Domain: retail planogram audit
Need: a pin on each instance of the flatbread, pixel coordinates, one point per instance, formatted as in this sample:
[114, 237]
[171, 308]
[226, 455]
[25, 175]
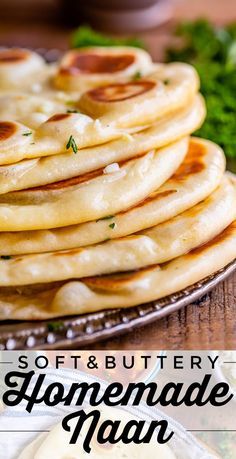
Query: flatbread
[197, 177]
[18, 141]
[118, 290]
[107, 112]
[26, 92]
[83, 69]
[139, 103]
[155, 245]
[56, 444]
[31, 110]
[44, 170]
[19, 67]
[90, 196]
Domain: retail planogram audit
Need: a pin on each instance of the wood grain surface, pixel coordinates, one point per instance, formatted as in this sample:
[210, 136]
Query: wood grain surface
[206, 324]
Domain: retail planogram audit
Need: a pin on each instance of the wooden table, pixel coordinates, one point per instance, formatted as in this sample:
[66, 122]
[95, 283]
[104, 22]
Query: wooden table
[210, 323]
[207, 324]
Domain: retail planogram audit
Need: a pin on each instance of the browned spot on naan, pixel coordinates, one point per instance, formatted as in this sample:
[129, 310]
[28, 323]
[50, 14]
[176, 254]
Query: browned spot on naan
[156, 196]
[121, 91]
[77, 180]
[7, 129]
[228, 232]
[153, 197]
[12, 56]
[58, 117]
[68, 182]
[193, 163]
[97, 63]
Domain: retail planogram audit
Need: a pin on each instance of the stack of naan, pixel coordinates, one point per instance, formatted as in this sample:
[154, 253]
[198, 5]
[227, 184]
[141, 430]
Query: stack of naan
[105, 199]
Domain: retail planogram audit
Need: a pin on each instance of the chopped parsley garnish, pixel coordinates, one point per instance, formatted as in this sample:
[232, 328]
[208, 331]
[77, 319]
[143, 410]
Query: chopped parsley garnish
[86, 36]
[55, 326]
[212, 51]
[72, 144]
[112, 225]
[72, 111]
[27, 133]
[166, 82]
[5, 257]
[137, 76]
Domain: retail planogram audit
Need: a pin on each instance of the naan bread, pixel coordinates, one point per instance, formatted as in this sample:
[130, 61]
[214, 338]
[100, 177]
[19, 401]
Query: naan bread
[74, 179]
[52, 137]
[43, 170]
[56, 444]
[118, 290]
[26, 92]
[197, 177]
[90, 196]
[107, 112]
[83, 69]
[19, 68]
[139, 103]
[155, 245]
[30, 110]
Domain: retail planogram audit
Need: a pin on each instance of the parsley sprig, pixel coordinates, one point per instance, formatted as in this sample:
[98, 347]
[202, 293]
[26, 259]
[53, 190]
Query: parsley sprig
[86, 36]
[55, 326]
[26, 134]
[137, 76]
[212, 51]
[72, 144]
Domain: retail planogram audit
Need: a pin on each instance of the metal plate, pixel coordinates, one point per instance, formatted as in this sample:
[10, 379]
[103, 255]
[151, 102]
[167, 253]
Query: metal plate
[87, 329]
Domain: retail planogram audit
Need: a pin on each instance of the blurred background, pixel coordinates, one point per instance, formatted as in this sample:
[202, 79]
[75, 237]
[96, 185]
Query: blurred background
[48, 23]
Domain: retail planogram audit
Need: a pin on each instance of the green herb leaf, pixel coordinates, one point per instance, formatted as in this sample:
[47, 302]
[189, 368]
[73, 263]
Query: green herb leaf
[112, 225]
[72, 111]
[55, 326]
[212, 51]
[137, 76]
[27, 133]
[72, 144]
[5, 257]
[86, 36]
